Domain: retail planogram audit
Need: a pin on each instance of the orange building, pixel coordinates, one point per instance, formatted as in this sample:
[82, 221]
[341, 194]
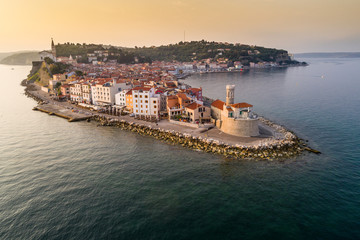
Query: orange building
[129, 101]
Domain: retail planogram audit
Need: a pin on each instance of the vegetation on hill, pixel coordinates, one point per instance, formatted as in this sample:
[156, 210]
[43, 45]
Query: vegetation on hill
[182, 51]
[23, 58]
[41, 76]
[199, 50]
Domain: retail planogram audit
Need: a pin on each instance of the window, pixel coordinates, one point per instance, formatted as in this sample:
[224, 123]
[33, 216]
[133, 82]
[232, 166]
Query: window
[146, 106]
[155, 106]
[141, 111]
[135, 96]
[154, 101]
[145, 96]
[136, 110]
[135, 100]
[146, 101]
[154, 112]
[141, 101]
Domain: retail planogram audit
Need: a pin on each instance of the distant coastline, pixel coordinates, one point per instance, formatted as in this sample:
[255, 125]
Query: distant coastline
[19, 58]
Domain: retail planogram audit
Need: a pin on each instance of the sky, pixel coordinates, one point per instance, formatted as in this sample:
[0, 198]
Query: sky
[294, 25]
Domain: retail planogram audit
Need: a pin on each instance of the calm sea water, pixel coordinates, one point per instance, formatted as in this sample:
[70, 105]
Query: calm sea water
[61, 180]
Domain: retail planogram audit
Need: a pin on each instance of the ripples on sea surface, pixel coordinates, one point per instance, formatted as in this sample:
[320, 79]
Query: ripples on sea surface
[61, 180]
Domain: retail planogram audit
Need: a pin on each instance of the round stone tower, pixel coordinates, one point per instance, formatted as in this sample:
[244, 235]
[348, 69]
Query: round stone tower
[230, 89]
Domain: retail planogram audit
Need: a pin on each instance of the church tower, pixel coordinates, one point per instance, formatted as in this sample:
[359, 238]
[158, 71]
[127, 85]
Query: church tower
[230, 89]
[53, 49]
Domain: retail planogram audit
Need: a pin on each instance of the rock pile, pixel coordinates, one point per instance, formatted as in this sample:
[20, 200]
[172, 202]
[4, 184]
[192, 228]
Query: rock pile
[283, 148]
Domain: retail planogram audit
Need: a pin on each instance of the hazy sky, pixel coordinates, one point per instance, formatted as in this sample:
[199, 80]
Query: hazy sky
[294, 25]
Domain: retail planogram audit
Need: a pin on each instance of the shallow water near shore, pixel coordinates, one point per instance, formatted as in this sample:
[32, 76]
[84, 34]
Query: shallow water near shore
[61, 180]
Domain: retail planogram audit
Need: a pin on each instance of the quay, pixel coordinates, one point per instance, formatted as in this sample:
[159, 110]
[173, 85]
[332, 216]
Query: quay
[73, 115]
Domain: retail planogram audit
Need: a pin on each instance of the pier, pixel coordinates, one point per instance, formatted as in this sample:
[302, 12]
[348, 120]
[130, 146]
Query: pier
[73, 115]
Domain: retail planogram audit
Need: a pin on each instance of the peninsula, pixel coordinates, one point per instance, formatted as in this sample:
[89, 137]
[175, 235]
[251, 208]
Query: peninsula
[148, 99]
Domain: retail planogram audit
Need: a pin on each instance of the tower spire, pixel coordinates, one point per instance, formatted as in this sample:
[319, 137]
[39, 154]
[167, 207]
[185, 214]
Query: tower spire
[53, 49]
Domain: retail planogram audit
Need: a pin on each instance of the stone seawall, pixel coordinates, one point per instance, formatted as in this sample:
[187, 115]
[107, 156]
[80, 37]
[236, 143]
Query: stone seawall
[283, 148]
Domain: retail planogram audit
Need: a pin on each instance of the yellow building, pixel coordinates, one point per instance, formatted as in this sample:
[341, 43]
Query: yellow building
[129, 101]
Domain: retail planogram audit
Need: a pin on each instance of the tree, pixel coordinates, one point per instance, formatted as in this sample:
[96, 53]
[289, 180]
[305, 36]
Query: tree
[79, 73]
[48, 60]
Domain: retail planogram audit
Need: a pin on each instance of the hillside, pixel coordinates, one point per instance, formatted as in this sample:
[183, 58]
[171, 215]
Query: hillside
[22, 58]
[182, 52]
[5, 54]
[201, 50]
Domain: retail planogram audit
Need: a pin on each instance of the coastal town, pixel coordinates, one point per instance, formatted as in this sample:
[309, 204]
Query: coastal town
[150, 99]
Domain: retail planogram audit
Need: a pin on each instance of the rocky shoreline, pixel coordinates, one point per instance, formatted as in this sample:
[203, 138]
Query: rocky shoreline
[286, 146]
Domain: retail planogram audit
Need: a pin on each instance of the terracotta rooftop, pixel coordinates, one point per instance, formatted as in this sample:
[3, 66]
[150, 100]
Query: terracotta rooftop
[183, 96]
[193, 106]
[218, 104]
[241, 105]
[141, 88]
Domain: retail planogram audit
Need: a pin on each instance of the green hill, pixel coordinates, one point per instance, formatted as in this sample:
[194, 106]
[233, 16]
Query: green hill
[182, 52]
[22, 58]
[200, 50]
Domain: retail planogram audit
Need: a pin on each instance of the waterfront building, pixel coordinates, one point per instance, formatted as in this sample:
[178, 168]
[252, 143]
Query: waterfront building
[120, 98]
[197, 113]
[105, 92]
[234, 118]
[173, 106]
[129, 101]
[76, 92]
[86, 93]
[145, 102]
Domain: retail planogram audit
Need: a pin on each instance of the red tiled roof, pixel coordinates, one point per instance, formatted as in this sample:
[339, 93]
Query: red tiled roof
[218, 104]
[229, 109]
[183, 96]
[241, 105]
[172, 97]
[193, 106]
[142, 88]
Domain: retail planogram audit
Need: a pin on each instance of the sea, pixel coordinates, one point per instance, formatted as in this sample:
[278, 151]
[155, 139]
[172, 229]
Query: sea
[61, 180]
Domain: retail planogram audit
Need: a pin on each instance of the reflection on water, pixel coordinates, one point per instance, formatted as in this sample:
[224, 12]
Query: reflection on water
[61, 180]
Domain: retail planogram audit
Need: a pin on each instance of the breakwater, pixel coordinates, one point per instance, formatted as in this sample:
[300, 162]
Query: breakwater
[272, 149]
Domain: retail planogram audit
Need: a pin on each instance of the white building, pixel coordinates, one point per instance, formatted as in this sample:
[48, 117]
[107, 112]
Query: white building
[104, 93]
[76, 92]
[145, 102]
[120, 98]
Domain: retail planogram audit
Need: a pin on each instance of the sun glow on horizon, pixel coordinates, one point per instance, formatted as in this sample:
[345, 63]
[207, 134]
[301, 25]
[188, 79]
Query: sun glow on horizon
[294, 26]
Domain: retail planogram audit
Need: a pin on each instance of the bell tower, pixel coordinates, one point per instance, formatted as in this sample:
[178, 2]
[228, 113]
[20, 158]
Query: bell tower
[230, 89]
[53, 49]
